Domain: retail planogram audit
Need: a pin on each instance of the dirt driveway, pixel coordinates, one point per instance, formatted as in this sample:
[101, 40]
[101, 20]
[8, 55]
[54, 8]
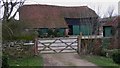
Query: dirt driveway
[65, 59]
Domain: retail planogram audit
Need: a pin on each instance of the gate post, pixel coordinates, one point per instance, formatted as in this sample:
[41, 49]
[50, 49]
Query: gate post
[36, 46]
[79, 43]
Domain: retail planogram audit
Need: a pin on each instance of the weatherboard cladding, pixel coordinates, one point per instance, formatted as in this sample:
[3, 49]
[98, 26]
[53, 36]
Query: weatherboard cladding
[49, 16]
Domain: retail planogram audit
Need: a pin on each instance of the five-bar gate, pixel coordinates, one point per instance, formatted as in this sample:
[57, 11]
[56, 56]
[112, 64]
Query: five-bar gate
[57, 45]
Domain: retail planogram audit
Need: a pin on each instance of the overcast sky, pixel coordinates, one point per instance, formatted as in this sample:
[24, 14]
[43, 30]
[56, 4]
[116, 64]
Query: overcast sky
[93, 4]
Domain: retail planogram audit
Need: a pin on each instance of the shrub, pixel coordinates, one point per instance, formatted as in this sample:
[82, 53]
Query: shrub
[5, 62]
[11, 29]
[56, 32]
[50, 32]
[103, 53]
[116, 57]
[53, 33]
[108, 53]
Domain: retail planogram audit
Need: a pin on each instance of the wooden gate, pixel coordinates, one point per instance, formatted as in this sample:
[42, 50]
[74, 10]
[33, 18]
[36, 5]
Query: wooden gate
[57, 45]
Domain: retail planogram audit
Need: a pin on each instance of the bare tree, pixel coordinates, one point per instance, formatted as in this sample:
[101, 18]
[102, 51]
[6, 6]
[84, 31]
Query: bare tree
[110, 11]
[10, 8]
[98, 10]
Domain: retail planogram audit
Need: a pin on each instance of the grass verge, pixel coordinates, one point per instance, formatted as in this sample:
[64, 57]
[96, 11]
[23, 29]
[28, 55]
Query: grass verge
[31, 62]
[101, 61]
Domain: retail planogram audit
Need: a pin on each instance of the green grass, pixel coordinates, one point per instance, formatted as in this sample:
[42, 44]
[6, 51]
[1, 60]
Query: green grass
[31, 62]
[101, 61]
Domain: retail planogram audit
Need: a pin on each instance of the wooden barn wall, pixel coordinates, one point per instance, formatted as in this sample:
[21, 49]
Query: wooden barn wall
[76, 30]
[85, 29]
[84, 25]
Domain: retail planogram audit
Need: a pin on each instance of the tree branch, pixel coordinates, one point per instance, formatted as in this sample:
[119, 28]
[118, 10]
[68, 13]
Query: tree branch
[21, 3]
[9, 8]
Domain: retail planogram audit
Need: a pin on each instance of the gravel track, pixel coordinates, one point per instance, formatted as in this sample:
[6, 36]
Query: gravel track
[65, 59]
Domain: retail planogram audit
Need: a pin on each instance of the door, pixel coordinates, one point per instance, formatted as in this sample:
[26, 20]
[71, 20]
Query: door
[76, 30]
[107, 31]
[70, 30]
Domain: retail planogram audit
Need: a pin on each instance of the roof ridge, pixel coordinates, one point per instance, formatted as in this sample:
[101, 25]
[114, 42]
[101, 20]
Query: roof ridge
[53, 5]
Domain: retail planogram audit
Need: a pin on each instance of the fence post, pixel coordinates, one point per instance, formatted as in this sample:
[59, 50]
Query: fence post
[79, 43]
[36, 46]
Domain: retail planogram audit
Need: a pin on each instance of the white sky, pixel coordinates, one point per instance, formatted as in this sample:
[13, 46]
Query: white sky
[93, 4]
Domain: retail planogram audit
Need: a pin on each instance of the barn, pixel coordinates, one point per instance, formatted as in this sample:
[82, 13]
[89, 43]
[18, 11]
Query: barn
[111, 31]
[67, 20]
[109, 25]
